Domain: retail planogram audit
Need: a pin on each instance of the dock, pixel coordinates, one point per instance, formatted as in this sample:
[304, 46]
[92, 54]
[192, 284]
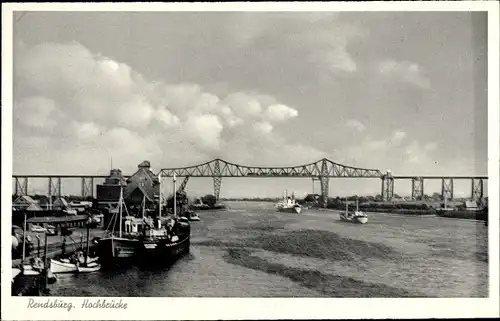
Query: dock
[35, 285]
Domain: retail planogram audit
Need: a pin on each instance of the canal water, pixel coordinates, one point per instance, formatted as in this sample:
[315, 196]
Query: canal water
[250, 250]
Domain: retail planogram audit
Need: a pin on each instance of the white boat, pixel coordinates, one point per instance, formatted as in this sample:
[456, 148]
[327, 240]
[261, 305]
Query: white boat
[288, 205]
[15, 272]
[34, 267]
[81, 256]
[354, 217]
[192, 216]
[81, 259]
[295, 208]
[89, 267]
[30, 270]
[57, 266]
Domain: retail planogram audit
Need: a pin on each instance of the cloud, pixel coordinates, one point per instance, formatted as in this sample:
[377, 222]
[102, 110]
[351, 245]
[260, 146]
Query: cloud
[404, 71]
[204, 128]
[86, 108]
[397, 137]
[36, 112]
[262, 127]
[400, 153]
[326, 46]
[355, 124]
[280, 113]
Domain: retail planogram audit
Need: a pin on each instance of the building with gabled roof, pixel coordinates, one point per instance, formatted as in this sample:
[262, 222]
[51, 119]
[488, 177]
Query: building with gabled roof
[60, 203]
[26, 203]
[143, 184]
[108, 194]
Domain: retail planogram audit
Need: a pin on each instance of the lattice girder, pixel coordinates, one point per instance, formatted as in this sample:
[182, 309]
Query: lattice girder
[87, 187]
[447, 189]
[417, 189]
[322, 167]
[477, 191]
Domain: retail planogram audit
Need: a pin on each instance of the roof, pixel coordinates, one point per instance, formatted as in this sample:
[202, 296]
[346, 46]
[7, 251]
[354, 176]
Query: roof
[141, 190]
[61, 201]
[28, 202]
[53, 219]
[145, 164]
[145, 167]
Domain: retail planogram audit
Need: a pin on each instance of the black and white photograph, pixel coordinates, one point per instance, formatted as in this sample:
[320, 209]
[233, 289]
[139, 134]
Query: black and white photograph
[249, 154]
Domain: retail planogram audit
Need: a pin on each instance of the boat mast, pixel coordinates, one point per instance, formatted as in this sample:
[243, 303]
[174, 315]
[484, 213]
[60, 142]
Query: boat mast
[88, 241]
[143, 205]
[175, 198]
[24, 239]
[159, 196]
[121, 204]
[357, 206]
[346, 207]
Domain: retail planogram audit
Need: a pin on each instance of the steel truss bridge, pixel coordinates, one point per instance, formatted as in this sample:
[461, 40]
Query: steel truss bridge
[321, 170]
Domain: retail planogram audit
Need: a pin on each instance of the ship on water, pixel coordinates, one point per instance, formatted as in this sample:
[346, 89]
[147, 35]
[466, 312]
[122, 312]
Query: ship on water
[356, 216]
[168, 239]
[289, 205]
[122, 244]
[144, 238]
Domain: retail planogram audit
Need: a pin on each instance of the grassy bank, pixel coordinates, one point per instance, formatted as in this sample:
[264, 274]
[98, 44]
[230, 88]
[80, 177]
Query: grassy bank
[314, 244]
[330, 285]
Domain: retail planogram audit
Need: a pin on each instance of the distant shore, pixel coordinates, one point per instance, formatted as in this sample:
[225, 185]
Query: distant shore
[403, 208]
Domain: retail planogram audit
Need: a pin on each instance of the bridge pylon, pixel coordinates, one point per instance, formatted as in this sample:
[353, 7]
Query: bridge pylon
[417, 188]
[387, 186]
[87, 187]
[447, 188]
[217, 178]
[21, 188]
[54, 188]
[325, 182]
[477, 192]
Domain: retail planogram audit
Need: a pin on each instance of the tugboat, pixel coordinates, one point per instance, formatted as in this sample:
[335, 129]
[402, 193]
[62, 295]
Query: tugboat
[288, 205]
[354, 217]
[114, 248]
[166, 241]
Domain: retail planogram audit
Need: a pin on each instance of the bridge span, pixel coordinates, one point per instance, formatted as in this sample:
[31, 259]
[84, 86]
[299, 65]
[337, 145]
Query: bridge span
[321, 170]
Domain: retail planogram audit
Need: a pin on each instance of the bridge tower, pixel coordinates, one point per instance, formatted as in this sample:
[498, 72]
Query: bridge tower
[447, 188]
[217, 178]
[87, 187]
[477, 192]
[325, 182]
[417, 188]
[54, 188]
[21, 188]
[387, 186]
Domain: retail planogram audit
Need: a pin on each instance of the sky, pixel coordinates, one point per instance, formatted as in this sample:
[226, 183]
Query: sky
[405, 91]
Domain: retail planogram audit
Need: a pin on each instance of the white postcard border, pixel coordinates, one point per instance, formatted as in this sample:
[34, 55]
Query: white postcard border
[258, 308]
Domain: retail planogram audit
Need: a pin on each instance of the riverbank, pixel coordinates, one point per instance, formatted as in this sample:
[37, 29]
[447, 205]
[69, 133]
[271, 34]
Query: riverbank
[251, 250]
[55, 242]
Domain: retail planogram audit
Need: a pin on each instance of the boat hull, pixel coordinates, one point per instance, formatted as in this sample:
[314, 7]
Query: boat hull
[354, 219]
[162, 251]
[360, 219]
[93, 267]
[294, 209]
[114, 249]
[62, 267]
